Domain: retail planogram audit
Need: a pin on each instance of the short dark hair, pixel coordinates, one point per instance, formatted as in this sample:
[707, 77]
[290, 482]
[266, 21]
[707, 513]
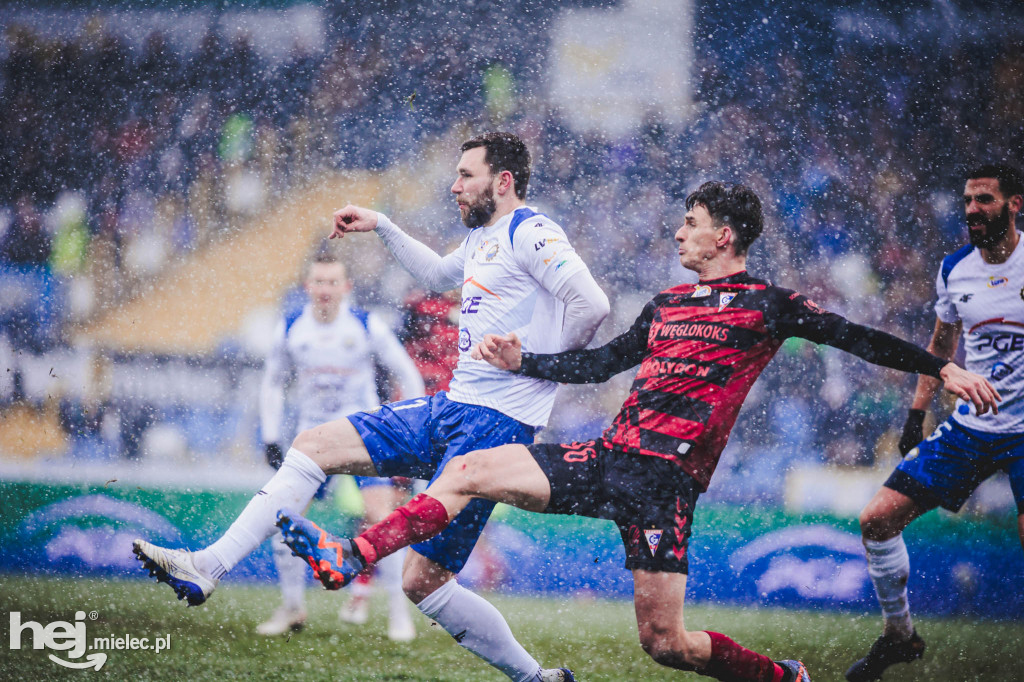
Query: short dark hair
[504, 152]
[1010, 180]
[324, 255]
[735, 205]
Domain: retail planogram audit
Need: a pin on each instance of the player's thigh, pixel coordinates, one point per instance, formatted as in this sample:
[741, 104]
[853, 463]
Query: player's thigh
[887, 514]
[507, 473]
[337, 447]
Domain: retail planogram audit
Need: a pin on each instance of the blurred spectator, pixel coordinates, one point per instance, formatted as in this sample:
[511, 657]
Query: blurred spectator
[25, 242]
[851, 142]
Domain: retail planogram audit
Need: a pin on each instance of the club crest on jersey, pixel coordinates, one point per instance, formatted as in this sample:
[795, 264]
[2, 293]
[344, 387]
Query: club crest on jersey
[724, 300]
[491, 253]
[994, 281]
[1001, 370]
[653, 537]
[701, 292]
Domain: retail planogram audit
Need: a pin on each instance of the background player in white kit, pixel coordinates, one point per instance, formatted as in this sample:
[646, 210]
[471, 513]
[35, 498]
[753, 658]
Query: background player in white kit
[518, 273]
[332, 346]
[981, 295]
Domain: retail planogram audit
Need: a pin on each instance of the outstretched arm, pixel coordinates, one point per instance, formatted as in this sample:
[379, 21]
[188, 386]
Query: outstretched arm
[436, 272]
[587, 366]
[800, 317]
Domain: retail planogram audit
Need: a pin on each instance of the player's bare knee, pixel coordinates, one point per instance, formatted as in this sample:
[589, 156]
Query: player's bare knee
[414, 586]
[308, 443]
[419, 582]
[312, 444]
[668, 646]
[470, 474]
[875, 524]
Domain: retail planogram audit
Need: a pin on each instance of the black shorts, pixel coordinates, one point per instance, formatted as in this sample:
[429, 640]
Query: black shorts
[650, 499]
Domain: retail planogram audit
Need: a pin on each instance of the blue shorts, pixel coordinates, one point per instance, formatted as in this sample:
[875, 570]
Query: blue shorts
[418, 437]
[945, 468]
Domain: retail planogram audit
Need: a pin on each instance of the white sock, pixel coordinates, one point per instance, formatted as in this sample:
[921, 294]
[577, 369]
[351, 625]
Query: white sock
[389, 574]
[889, 568]
[478, 626]
[291, 576]
[293, 486]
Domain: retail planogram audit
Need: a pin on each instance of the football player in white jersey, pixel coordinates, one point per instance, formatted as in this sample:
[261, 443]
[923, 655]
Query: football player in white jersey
[981, 296]
[518, 273]
[331, 347]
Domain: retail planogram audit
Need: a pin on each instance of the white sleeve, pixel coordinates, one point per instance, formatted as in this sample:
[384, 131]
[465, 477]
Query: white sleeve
[945, 309]
[439, 273]
[586, 306]
[543, 250]
[389, 352]
[275, 375]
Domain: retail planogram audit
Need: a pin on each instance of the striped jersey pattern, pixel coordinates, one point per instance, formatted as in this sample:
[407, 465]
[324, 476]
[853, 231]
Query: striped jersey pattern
[700, 348]
[706, 345]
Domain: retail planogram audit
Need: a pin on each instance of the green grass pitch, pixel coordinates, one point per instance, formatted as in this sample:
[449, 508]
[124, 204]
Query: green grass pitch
[596, 638]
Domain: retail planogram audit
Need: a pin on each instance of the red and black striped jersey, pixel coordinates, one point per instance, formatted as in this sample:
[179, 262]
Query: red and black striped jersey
[700, 348]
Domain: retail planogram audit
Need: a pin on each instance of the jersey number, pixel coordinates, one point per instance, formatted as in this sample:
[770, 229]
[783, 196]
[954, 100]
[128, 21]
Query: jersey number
[942, 428]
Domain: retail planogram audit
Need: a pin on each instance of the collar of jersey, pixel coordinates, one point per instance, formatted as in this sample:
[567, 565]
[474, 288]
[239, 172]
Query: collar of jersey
[734, 278]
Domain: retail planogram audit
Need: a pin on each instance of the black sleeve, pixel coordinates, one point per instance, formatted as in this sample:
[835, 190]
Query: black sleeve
[594, 365]
[794, 314]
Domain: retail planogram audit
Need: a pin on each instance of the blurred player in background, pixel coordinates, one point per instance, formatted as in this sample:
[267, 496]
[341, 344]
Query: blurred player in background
[518, 273]
[700, 348]
[430, 334]
[331, 347]
[980, 295]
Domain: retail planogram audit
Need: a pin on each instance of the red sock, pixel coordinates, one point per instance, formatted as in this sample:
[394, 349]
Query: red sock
[418, 519]
[732, 663]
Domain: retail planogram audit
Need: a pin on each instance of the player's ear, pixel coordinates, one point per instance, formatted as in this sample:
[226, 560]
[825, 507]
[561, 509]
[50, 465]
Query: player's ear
[726, 237]
[506, 184]
[1016, 203]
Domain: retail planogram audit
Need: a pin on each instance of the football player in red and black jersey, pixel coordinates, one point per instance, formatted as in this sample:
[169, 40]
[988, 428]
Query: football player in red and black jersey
[700, 347]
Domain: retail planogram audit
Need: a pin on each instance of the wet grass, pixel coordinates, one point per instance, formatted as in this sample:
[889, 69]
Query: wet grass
[596, 638]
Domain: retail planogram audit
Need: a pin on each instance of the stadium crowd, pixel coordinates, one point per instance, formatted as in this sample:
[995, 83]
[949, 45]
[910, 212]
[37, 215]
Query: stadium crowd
[116, 161]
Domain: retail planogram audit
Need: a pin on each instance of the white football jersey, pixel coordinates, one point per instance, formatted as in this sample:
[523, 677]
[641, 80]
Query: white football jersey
[333, 365]
[989, 301]
[509, 271]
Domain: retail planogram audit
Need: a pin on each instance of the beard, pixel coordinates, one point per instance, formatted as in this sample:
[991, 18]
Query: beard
[995, 229]
[479, 213]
